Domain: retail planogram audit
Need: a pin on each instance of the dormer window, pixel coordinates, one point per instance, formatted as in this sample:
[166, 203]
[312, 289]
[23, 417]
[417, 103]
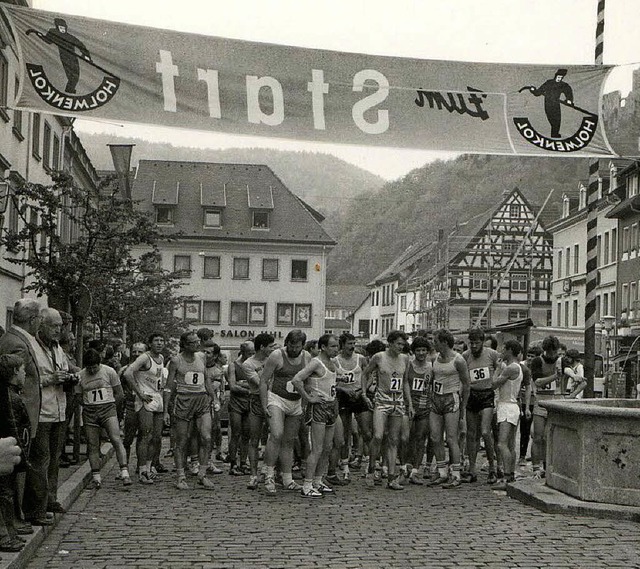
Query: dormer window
[260, 220]
[164, 215]
[632, 185]
[212, 218]
[565, 206]
[613, 178]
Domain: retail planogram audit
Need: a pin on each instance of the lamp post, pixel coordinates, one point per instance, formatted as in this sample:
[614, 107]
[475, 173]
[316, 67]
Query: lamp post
[608, 324]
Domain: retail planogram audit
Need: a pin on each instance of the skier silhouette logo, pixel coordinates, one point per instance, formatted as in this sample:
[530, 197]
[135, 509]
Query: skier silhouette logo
[557, 93]
[68, 48]
[72, 53]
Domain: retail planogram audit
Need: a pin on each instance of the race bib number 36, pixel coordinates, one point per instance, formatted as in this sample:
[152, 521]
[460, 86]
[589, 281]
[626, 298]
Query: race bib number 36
[194, 378]
[479, 373]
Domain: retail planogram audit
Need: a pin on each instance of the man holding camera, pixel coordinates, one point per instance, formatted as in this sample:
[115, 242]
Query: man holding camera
[44, 457]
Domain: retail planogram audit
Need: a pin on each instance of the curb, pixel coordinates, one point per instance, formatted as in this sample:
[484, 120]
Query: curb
[551, 501]
[68, 493]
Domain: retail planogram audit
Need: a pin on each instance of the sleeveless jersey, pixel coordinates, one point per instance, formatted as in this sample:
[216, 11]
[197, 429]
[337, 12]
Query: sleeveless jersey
[420, 385]
[97, 389]
[542, 368]
[252, 366]
[150, 381]
[390, 376]
[445, 376]
[282, 377]
[242, 379]
[508, 391]
[350, 379]
[483, 367]
[324, 386]
[190, 375]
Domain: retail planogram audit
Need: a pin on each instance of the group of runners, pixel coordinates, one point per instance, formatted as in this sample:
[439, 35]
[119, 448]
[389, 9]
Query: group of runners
[323, 409]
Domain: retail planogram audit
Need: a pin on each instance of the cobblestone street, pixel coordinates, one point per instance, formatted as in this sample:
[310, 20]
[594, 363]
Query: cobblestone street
[472, 526]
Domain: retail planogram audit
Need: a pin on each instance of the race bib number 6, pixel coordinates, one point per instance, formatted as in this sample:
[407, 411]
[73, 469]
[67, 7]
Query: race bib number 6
[194, 378]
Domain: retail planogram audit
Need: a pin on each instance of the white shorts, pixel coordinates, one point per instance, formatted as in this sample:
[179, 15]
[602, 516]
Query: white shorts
[289, 408]
[509, 412]
[154, 406]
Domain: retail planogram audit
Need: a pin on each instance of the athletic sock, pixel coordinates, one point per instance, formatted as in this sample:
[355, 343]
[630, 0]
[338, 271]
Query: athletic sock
[95, 474]
[317, 480]
[287, 478]
[124, 471]
[180, 473]
[144, 468]
[414, 472]
[442, 469]
[270, 471]
[455, 470]
[307, 484]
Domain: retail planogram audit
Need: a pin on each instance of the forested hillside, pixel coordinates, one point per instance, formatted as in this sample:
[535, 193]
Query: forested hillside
[324, 181]
[378, 227]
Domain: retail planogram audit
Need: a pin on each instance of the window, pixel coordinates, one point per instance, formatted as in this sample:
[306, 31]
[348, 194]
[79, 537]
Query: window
[625, 297]
[613, 302]
[260, 220]
[211, 268]
[182, 265]
[4, 87]
[55, 153]
[212, 218]
[514, 210]
[474, 314]
[479, 281]
[240, 268]
[270, 269]
[632, 182]
[599, 251]
[35, 139]
[633, 297]
[403, 303]
[258, 313]
[605, 304]
[574, 319]
[560, 263]
[606, 248]
[614, 245]
[519, 283]
[567, 254]
[164, 215]
[239, 313]
[599, 312]
[634, 237]
[509, 247]
[566, 314]
[192, 310]
[284, 314]
[298, 270]
[46, 145]
[516, 314]
[625, 240]
[17, 115]
[211, 312]
[576, 259]
[559, 314]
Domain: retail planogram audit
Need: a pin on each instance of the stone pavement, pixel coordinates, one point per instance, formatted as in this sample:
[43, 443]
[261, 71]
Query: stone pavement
[472, 526]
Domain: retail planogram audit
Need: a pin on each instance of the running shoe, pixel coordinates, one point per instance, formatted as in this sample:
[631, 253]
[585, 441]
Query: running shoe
[94, 484]
[310, 493]
[253, 483]
[214, 469]
[377, 477]
[324, 488]
[161, 468]
[468, 478]
[346, 477]
[235, 471]
[395, 484]
[126, 481]
[205, 483]
[334, 479]
[492, 478]
[144, 478]
[356, 463]
[153, 473]
[293, 485]
[522, 462]
[452, 483]
[119, 475]
[415, 479]
[194, 468]
[538, 474]
[500, 485]
[270, 486]
[437, 481]
[181, 484]
[402, 478]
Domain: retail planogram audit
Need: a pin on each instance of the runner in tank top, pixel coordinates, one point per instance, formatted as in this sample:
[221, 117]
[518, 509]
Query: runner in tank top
[317, 385]
[282, 406]
[191, 392]
[392, 400]
[450, 387]
[146, 376]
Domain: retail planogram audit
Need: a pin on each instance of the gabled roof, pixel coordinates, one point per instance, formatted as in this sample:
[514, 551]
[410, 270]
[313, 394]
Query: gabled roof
[245, 186]
[406, 264]
[345, 296]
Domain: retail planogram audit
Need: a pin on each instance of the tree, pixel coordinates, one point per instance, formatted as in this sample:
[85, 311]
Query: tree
[100, 259]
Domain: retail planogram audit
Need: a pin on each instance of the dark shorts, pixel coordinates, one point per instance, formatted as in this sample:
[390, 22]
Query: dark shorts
[352, 402]
[444, 404]
[324, 413]
[255, 406]
[98, 415]
[480, 399]
[239, 404]
[189, 406]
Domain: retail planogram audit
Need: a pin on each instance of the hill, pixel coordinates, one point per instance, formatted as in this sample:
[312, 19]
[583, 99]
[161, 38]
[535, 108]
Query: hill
[379, 226]
[322, 180]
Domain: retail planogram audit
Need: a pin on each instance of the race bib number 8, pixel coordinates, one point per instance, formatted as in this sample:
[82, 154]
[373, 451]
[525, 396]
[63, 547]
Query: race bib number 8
[480, 373]
[194, 378]
[437, 387]
[396, 385]
[419, 384]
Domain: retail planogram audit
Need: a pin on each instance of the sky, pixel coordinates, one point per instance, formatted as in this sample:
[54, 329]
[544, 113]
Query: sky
[503, 31]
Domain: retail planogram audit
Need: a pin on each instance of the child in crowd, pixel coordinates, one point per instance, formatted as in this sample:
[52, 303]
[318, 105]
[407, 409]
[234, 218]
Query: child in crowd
[14, 422]
[100, 389]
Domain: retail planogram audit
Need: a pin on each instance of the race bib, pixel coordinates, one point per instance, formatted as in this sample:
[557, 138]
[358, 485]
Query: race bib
[348, 377]
[289, 387]
[194, 378]
[419, 384]
[396, 385]
[333, 391]
[479, 373]
[97, 395]
[437, 387]
[159, 385]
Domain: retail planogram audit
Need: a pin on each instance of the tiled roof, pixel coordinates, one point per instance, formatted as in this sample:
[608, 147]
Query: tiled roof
[345, 296]
[202, 183]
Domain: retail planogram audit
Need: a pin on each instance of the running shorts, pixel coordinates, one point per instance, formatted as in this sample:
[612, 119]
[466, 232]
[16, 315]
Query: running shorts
[509, 412]
[447, 403]
[189, 406]
[288, 407]
[97, 415]
[325, 413]
[539, 411]
[255, 405]
[480, 399]
[239, 404]
[391, 409]
[352, 401]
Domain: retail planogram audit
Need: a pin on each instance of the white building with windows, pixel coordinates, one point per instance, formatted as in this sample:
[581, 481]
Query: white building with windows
[252, 254]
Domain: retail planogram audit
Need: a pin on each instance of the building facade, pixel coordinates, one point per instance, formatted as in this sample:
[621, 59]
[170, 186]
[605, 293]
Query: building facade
[251, 254]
